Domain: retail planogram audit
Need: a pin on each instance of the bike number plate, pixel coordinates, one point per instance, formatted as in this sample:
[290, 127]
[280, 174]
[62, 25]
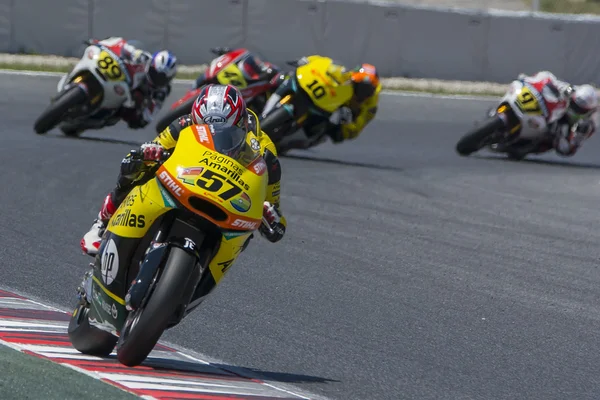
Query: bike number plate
[109, 68]
[527, 102]
[231, 75]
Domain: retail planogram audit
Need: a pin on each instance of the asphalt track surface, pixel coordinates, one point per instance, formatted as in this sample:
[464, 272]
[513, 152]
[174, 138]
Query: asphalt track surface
[407, 271]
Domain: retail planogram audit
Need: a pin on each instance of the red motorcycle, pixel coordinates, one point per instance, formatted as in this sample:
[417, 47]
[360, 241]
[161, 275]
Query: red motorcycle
[228, 68]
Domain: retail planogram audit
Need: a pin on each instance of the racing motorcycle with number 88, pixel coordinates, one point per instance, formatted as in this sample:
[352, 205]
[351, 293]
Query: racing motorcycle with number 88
[90, 94]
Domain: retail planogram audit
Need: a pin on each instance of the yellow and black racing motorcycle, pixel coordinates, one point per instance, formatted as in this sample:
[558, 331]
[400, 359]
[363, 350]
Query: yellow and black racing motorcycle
[167, 246]
[297, 114]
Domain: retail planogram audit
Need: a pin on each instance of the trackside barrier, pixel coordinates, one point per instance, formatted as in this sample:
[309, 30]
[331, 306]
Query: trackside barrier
[401, 40]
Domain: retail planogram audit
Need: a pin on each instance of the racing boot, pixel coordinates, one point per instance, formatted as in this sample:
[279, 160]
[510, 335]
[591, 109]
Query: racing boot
[91, 240]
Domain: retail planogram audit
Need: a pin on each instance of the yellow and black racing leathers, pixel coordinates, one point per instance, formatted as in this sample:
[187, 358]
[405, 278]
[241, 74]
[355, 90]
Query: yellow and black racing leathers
[132, 173]
[363, 112]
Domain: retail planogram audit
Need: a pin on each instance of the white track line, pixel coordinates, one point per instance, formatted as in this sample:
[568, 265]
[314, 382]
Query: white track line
[52, 352]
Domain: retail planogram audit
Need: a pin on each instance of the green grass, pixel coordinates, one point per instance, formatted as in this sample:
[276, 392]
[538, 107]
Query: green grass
[26, 377]
[570, 6]
[446, 92]
[184, 75]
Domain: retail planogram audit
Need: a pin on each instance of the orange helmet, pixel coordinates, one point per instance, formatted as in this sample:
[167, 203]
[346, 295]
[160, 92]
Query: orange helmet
[365, 80]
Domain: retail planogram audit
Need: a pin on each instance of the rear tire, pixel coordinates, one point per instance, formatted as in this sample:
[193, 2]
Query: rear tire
[53, 114]
[475, 140]
[137, 340]
[172, 115]
[87, 338]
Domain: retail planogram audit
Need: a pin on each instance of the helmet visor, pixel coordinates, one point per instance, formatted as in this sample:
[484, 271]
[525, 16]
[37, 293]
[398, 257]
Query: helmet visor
[580, 111]
[158, 79]
[228, 140]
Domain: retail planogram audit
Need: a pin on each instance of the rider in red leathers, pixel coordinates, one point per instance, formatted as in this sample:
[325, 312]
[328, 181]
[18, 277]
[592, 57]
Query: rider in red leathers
[253, 68]
[572, 113]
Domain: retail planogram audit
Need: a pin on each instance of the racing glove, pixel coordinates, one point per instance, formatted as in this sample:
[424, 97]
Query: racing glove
[271, 228]
[342, 115]
[137, 161]
[584, 128]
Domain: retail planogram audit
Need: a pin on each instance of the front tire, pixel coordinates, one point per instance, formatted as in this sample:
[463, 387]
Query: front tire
[87, 338]
[53, 114]
[275, 125]
[476, 139]
[144, 326]
[172, 115]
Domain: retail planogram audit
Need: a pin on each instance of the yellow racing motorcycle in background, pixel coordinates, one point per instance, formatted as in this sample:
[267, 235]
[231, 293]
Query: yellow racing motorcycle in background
[167, 246]
[297, 114]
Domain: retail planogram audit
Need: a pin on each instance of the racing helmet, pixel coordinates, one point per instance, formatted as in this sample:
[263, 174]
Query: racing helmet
[365, 80]
[252, 67]
[220, 105]
[583, 102]
[162, 68]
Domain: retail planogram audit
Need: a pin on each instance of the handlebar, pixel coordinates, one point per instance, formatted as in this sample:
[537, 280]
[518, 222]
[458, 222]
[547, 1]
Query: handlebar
[136, 155]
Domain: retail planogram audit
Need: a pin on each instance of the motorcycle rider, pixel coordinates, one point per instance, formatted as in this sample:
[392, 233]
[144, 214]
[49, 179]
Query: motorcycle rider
[351, 119]
[220, 106]
[251, 66]
[151, 76]
[573, 113]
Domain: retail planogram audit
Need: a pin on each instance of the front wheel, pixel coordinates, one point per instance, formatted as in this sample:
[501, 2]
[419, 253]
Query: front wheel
[276, 124]
[479, 137]
[145, 325]
[55, 111]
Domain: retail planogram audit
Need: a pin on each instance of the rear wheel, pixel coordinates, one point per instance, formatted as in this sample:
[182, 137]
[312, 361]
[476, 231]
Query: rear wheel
[56, 110]
[172, 115]
[144, 326]
[87, 338]
[479, 137]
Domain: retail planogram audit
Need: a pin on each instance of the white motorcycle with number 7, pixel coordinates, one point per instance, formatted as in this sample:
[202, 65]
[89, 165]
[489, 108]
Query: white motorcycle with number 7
[521, 120]
[90, 95]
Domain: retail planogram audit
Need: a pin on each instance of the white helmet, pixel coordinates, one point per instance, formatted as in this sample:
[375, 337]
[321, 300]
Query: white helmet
[584, 102]
[162, 68]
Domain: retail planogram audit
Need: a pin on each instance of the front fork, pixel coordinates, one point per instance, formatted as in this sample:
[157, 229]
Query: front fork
[511, 122]
[84, 291]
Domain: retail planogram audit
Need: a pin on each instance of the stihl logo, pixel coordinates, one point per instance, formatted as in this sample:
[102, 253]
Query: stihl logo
[245, 224]
[260, 167]
[170, 183]
[202, 134]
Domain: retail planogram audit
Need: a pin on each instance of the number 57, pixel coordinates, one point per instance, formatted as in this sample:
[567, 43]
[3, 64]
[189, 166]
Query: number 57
[213, 182]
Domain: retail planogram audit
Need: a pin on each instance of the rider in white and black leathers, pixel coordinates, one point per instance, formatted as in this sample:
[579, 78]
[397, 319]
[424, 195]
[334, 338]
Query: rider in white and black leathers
[151, 76]
[579, 114]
